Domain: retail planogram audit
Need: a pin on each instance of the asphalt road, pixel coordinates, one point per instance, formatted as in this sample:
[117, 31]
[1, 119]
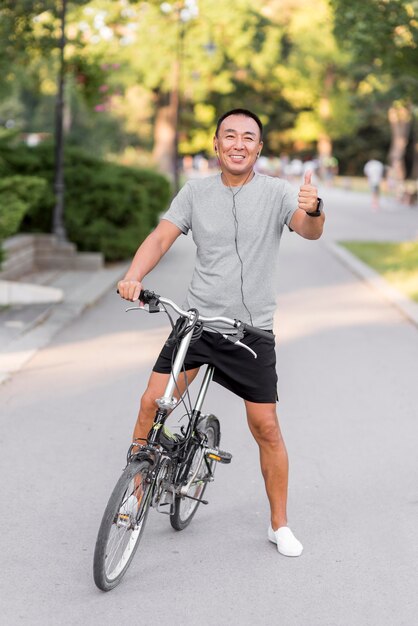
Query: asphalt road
[348, 393]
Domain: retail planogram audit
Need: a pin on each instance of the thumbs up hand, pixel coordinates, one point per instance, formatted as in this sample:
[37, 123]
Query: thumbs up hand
[308, 194]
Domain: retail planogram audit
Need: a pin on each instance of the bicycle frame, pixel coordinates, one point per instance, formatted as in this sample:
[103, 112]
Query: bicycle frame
[168, 402]
[168, 471]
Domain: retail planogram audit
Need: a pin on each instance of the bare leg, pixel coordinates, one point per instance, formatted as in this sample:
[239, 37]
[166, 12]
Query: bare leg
[264, 425]
[155, 389]
[375, 198]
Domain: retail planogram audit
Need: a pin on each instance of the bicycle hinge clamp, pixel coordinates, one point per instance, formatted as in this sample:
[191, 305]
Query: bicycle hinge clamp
[166, 403]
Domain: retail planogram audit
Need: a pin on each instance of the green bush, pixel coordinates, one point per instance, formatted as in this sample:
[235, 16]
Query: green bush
[17, 195]
[108, 207]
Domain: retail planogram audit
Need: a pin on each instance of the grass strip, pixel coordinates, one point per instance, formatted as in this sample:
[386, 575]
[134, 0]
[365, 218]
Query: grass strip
[396, 262]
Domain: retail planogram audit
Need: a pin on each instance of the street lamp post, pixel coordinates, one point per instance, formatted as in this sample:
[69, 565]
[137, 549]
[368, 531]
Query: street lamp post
[175, 103]
[183, 11]
[58, 226]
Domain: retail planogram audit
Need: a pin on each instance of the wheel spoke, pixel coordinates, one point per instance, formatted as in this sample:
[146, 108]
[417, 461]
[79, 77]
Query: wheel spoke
[121, 527]
[120, 536]
[186, 507]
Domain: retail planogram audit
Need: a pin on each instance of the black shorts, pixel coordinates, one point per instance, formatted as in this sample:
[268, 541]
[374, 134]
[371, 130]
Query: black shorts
[235, 368]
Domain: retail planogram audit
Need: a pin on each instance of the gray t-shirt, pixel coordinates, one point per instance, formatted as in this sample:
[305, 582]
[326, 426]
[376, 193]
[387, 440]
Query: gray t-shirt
[263, 206]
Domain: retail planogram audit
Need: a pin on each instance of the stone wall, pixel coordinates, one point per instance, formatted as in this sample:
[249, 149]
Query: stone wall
[24, 254]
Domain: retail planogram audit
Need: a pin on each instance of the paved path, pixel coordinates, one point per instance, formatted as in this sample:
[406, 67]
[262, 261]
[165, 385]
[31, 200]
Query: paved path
[347, 368]
[26, 328]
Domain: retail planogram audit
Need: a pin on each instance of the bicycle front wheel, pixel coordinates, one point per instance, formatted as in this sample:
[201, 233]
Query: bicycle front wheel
[122, 525]
[186, 507]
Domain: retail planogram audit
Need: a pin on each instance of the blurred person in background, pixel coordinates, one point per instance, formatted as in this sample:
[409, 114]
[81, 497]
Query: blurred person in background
[311, 165]
[374, 171]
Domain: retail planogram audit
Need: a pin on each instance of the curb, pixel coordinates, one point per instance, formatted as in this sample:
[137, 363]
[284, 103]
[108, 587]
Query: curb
[401, 302]
[76, 300]
[12, 293]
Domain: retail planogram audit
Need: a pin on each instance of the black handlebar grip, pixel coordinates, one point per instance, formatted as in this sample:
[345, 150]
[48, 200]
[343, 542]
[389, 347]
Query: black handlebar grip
[144, 295]
[147, 297]
[258, 332]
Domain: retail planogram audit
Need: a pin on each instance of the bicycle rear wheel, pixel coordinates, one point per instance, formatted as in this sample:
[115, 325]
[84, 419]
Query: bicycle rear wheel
[122, 526]
[185, 508]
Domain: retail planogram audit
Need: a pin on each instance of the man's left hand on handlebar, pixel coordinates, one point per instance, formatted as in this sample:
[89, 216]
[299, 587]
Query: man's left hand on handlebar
[129, 289]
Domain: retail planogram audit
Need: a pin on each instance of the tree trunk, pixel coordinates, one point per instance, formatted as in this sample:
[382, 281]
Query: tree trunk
[324, 145]
[414, 174]
[400, 119]
[164, 135]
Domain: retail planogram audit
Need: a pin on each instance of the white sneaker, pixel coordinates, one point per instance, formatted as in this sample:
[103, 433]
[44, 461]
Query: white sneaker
[287, 544]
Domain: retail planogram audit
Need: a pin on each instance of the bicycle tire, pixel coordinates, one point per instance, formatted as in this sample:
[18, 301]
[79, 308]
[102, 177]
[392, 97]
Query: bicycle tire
[185, 508]
[121, 528]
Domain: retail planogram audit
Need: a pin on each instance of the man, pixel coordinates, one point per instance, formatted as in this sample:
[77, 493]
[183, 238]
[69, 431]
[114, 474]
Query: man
[374, 170]
[237, 218]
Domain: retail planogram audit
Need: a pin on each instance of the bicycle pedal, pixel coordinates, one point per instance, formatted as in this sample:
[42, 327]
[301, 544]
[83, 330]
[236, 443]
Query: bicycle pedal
[166, 500]
[160, 509]
[220, 456]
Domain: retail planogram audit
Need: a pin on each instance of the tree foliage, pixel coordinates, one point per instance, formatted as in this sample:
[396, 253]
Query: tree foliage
[289, 60]
[383, 43]
[383, 35]
[109, 208]
[18, 194]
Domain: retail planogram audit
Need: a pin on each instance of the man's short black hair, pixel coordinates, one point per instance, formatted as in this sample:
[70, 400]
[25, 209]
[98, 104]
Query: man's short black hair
[245, 113]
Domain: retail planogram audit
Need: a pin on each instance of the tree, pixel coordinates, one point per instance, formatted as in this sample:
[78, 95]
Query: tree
[225, 59]
[314, 75]
[126, 63]
[384, 41]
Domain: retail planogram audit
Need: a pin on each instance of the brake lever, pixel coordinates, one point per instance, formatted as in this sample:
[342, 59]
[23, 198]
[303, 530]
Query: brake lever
[145, 307]
[236, 341]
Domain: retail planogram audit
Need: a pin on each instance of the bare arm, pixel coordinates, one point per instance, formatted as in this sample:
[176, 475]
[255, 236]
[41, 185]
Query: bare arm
[305, 225]
[146, 258]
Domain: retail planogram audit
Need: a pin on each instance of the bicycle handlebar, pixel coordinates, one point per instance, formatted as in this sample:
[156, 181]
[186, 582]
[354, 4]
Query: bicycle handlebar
[149, 297]
[257, 332]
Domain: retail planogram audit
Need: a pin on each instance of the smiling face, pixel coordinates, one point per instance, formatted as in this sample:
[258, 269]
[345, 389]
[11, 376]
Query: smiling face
[237, 145]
